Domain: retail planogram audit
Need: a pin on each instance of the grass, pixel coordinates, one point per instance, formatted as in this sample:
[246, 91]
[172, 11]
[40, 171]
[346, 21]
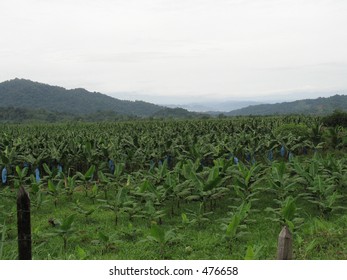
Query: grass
[99, 238]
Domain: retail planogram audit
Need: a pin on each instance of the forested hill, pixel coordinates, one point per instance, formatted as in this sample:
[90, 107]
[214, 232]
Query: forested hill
[29, 95]
[319, 106]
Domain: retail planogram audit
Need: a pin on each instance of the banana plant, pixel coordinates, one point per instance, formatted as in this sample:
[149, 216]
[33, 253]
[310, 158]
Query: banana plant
[54, 190]
[198, 217]
[133, 209]
[107, 241]
[64, 229]
[325, 196]
[152, 214]
[207, 184]
[9, 156]
[117, 204]
[282, 180]
[94, 192]
[105, 183]
[321, 185]
[147, 190]
[79, 208]
[91, 154]
[335, 137]
[247, 180]
[38, 192]
[34, 159]
[130, 233]
[21, 173]
[177, 191]
[69, 185]
[214, 188]
[160, 172]
[57, 151]
[316, 133]
[286, 214]
[253, 252]
[235, 227]
[86, 178]
[336, 169]
[162, 237]
[48, 171]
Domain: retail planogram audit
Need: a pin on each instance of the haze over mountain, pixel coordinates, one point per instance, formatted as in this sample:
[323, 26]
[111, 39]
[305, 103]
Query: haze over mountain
[21, 93]
[216, 107]
[29, 95]
[25, 100]
[319, 106]
[215, 104]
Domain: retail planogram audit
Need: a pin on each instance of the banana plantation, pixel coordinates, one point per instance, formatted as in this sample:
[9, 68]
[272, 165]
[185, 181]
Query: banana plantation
[188, 189]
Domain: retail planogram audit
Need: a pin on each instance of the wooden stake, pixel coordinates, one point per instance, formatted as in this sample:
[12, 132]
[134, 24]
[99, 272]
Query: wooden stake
[284, 251]
[23, 224]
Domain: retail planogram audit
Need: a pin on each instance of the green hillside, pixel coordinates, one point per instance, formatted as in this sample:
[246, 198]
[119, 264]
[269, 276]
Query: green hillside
[319, 106]
[26, 101]
[177, 113]
[20, 93]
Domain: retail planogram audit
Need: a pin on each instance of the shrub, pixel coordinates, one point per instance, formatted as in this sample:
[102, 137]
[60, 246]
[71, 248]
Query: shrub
[337, 118]
[295, 129]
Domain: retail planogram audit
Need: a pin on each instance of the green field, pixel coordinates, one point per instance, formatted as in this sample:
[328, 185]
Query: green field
[190, 189]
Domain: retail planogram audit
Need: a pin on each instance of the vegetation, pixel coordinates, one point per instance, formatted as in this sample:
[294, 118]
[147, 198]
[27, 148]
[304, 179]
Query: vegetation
[297, 130]
[26, 100]
[319, 106]
[24, 115]
[183, 189]
[337, 118]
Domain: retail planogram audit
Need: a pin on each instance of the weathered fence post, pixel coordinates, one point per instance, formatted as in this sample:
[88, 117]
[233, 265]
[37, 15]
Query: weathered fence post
[23, 224]
[284, 250]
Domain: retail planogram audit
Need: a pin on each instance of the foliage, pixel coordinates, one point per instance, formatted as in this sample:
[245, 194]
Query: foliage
[297, 130]
[319, 106]
[287, 213]
[24, 100]
[235, 226]
[64, 229]
[337, 118]
[173, 179]
[2, 239]
[198, 217]
[161, 237]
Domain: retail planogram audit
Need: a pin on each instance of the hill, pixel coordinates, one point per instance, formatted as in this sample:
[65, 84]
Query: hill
[20, 93]
[319, 106]
[215, 107]
[27, 100]
[177, 113]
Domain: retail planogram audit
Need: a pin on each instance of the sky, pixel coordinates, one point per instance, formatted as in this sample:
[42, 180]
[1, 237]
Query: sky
[179, 51]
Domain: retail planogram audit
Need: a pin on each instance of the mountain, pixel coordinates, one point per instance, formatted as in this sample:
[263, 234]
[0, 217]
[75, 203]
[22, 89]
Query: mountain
[319, 106]
[24, 100]
[20, 93]
[214, 108]
[175, 112]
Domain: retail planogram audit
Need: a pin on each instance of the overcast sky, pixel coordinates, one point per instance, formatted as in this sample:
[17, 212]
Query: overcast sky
[182, 50]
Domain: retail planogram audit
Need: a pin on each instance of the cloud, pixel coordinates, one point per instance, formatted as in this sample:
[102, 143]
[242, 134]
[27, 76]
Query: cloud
[186, 47]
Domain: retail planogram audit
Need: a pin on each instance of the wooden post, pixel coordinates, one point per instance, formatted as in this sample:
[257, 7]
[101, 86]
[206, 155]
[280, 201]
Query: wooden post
[284, 250]
[23, 224]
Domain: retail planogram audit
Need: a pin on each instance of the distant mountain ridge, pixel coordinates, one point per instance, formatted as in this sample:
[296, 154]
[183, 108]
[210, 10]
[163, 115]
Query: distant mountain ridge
[25, 100]
[29, 95]
[216, 107]
[319, 106]
[21, 93]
